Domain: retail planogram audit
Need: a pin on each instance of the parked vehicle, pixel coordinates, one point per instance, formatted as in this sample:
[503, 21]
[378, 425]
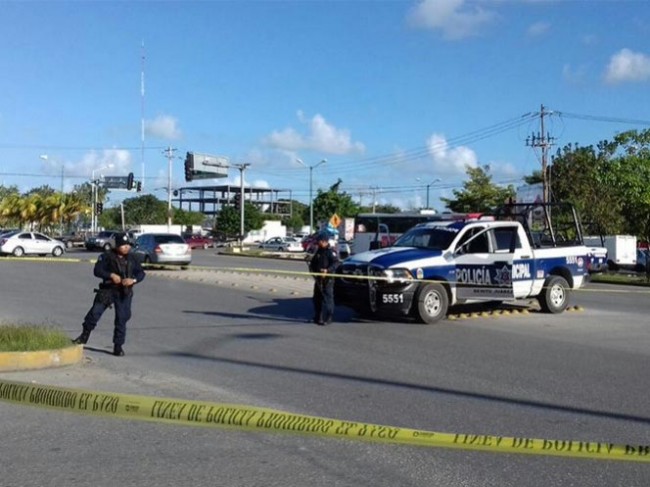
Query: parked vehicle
[21, 243]
[104, 240]
[642, 260]
[343, 247]
[621, 250]
[73, 239]
[163, 248]
[199, 241]
[440, 264]
[282, 244]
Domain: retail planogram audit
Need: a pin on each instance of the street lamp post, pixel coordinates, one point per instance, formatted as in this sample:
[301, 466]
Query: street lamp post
[46, 157]
[428, 186]
[311, 201]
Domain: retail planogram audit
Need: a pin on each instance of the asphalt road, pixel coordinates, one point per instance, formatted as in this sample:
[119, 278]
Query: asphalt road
[575, 376]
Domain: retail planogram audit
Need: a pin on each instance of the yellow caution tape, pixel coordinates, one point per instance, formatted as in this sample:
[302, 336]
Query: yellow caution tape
[251, 270]
[305, 274]
[208, 414]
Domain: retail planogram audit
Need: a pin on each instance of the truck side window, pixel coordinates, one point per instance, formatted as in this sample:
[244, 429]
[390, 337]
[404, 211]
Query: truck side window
[506, 240]
[478, 245]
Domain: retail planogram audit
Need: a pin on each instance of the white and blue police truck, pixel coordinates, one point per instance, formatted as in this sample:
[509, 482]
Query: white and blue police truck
[514, 255]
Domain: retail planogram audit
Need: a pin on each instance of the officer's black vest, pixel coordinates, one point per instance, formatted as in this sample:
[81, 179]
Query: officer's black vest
[121, 267]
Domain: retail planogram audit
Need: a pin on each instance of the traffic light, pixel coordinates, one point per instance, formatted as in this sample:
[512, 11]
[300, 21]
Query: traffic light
[99, 208]
[129, 181]
[237, 200]
[189, 167]
[138, 186]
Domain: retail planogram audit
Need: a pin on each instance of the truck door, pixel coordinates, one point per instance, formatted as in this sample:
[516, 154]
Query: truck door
[491, 264]
[476, 272]
[508, 242]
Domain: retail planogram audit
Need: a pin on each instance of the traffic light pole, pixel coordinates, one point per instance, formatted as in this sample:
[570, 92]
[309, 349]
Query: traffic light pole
[170, 156]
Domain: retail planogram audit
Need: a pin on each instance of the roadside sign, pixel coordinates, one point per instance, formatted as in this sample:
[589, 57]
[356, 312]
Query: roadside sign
[115, 182]
[206, 166]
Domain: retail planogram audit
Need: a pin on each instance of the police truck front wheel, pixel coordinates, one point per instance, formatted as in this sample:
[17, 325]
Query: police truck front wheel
[555, 295]
[432, 303]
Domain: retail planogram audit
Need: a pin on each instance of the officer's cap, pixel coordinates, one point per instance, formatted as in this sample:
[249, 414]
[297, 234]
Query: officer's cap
[122, 239]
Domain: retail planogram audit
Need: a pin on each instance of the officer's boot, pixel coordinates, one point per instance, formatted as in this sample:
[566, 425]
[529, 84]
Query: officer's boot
[118, 351]
[83, 338]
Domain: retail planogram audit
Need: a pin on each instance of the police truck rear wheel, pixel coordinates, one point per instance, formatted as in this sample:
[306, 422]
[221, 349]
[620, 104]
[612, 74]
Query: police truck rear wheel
[555, 295]
[432, 303]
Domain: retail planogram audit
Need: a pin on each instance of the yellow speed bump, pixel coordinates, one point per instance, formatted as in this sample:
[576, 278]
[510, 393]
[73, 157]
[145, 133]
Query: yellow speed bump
[263, 420]
[12, 361]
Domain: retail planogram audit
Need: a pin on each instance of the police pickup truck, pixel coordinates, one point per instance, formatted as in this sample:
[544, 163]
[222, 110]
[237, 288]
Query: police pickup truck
[515, 254]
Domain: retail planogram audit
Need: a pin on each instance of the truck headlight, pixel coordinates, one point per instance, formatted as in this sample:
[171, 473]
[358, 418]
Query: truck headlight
[399, 275]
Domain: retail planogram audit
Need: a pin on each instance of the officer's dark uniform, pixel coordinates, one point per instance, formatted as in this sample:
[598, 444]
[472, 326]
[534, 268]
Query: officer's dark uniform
[326, 259]
[110, 294]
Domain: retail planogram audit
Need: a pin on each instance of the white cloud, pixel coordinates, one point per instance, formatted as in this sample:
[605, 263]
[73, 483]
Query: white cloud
[163, 127]
[452, 17]
[538, 29]
[320, 137]
[627, 66]
[119, 161]
[449, 161]
[574, 75]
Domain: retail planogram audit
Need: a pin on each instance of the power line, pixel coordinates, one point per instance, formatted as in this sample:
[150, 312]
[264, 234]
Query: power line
[597, 118]
[73, 148]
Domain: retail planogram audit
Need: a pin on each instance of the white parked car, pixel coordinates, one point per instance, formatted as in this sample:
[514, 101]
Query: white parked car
[282, 244]
[20, 243]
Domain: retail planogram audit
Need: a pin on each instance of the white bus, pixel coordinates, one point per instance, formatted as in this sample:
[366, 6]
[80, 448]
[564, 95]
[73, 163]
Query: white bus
[378, 230]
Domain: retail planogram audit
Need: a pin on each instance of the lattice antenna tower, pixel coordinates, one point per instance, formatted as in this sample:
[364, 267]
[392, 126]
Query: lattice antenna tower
[142, 57]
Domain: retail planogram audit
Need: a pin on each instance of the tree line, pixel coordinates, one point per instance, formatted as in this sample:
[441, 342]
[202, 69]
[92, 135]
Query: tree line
[609, 184]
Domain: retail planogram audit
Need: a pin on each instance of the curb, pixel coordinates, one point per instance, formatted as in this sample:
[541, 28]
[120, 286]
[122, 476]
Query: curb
[41, 359]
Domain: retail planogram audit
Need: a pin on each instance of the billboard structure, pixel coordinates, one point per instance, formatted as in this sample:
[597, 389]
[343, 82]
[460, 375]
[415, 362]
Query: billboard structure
[206, 166]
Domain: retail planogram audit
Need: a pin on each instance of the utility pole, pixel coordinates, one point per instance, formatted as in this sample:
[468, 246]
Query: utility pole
[242, 201]
[311, 179]
[170, 157]
[61, 210]
[543, 140]
[374, 197]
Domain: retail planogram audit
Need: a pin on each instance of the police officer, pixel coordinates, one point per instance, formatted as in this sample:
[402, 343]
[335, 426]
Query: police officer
[324, 261]
[119, 271]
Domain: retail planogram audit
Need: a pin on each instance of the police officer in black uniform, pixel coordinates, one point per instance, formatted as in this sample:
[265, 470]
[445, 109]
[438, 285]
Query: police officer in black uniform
[119, 271]
[324, 261]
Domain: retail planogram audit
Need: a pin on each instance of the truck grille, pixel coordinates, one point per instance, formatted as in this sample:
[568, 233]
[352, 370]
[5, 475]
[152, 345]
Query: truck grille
[354, 270]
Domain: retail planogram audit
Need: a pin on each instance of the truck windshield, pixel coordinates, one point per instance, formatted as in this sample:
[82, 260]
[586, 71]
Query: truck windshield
[437, 238]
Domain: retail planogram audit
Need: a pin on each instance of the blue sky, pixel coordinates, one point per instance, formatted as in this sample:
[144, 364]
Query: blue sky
[394, 94]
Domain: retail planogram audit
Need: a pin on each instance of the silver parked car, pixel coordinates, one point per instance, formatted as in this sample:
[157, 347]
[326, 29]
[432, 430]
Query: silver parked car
[102, 241]
[282, 244]
[162, 248]
[21, 243]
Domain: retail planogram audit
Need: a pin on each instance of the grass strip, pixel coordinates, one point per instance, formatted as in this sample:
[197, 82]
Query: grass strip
[31, 338]
[639, 280]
